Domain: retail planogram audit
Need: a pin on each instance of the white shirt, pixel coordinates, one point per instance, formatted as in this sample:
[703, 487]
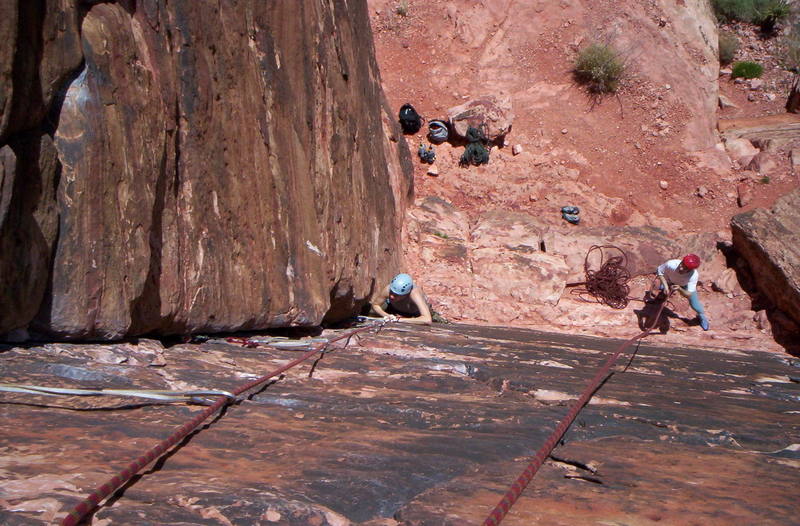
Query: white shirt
[669, 270]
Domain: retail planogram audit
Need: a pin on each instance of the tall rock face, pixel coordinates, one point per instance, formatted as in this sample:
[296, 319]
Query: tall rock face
[213, 167]
[769, 240]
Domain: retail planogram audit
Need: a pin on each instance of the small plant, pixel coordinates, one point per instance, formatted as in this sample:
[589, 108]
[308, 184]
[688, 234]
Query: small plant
[402, 8]
[765, 13]
[768, 13]
[764, 180]
[441, 235]
[747, 70]
[733, 10]
[600, 68]
[728, 46]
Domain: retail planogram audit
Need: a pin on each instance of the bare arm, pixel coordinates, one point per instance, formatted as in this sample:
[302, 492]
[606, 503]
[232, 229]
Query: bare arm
[424, 317]
[377, 301]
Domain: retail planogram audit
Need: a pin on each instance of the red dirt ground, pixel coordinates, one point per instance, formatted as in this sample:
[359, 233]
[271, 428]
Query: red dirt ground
[429, 60]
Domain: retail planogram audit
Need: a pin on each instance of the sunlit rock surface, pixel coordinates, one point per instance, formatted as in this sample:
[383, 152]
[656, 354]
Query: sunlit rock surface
[769, 240]
[412, 426]
[220, 166]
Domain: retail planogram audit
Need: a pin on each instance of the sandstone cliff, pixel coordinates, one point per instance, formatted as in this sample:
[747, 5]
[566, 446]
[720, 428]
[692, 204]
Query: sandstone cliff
[646, 166]
[184, 166]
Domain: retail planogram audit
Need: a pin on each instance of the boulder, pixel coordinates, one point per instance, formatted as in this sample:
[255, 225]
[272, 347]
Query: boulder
[725, 102]
[769, 240]
[741, 150]
[727, 282]
[491, 110]
[763, 163]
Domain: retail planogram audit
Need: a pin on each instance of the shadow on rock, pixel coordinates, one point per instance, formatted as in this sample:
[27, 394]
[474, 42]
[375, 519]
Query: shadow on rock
[646, 316]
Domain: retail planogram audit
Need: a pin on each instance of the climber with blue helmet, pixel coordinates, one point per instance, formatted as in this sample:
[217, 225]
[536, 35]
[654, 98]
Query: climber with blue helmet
[402, 299]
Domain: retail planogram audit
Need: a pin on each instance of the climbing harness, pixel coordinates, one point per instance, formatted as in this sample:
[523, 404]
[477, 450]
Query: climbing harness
[77, 513]
[516, 489]
[609, 283]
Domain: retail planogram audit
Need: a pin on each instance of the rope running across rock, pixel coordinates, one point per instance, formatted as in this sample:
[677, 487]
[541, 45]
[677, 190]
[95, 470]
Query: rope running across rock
[519, 485]
[83, 508]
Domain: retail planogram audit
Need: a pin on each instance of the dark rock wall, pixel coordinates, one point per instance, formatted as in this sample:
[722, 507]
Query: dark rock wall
[769, 240]
[198, 166]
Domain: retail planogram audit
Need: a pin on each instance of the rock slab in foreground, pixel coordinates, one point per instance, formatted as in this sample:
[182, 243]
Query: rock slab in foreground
[413, 426]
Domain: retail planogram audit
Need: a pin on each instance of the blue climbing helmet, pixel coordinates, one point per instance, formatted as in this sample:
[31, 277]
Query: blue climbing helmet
[401, 285]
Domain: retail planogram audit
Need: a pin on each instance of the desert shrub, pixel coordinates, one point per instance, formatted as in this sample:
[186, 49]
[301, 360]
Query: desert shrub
[728, 46]
[402, 8]
[599, 67]
[768, 13]
[731, 10]
[747, 70]
[765, 13]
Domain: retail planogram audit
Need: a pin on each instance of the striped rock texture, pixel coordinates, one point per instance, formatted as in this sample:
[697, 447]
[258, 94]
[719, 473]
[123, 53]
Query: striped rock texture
[411, 426]
[769, 241]
[183, 166]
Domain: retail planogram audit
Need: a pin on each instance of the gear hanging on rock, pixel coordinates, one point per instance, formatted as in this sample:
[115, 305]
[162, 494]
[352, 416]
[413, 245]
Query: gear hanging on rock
[609, 283]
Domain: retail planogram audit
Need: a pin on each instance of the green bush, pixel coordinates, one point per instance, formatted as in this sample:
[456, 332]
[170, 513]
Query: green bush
[728, 46]
[768, 13]
[731, 10]
[765, 13]
[747, 70]
[599, 67]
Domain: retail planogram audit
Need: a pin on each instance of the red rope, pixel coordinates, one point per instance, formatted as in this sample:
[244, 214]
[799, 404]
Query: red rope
[107, 488]
[516, 489]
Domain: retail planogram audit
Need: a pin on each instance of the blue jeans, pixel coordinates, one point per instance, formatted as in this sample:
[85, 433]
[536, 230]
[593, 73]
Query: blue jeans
[694, 302]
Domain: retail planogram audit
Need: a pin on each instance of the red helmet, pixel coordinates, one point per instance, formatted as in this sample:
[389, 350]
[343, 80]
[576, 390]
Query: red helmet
[691, 261]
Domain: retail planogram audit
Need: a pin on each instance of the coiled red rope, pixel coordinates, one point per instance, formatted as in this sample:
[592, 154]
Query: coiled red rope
[609, 283]
[76, 515]
[516, 489]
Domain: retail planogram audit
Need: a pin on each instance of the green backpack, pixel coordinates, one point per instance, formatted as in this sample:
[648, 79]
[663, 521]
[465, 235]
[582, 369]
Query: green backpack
[476, 152]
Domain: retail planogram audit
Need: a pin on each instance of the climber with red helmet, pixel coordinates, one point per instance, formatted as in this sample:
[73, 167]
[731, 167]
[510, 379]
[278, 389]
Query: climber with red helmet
[402, 298]
[681, 275]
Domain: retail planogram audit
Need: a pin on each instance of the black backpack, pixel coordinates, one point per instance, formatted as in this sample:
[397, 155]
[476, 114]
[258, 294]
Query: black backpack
[410, 120]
